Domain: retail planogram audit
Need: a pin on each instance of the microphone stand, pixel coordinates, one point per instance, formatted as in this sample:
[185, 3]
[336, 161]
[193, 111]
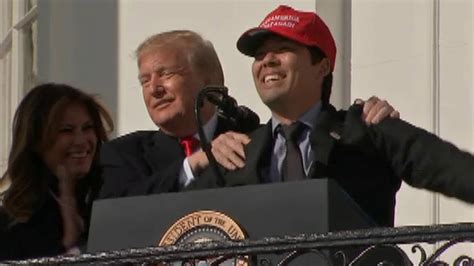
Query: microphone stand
[209, 92]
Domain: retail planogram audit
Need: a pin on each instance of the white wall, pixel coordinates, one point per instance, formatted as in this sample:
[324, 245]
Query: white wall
[77, 44]
[425, 71]
[456, 96]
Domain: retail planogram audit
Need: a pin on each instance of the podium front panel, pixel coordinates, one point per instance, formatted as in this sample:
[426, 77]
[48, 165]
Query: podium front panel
[265, 210]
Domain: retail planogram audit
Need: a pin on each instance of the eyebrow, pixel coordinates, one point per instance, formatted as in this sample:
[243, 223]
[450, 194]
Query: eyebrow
[158, 68]
[140, 76]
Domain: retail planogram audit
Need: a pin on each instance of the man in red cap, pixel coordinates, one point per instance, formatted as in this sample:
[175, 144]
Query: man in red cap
[294, 57]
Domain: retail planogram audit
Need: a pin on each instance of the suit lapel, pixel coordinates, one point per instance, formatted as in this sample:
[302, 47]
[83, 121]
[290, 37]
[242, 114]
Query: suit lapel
[326, 131]
[161, 151]
[256, 153]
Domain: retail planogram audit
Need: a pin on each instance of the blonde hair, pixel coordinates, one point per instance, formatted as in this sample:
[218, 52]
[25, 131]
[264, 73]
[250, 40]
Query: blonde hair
[200, 53]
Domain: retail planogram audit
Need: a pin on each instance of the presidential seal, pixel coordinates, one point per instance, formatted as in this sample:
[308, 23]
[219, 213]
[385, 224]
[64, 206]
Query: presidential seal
[203, 226]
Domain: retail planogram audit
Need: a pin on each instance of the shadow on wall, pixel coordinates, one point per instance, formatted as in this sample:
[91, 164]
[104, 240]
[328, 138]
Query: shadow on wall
[78, 45]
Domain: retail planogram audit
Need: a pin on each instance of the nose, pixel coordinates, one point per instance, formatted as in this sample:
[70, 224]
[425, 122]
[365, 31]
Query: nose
[270, 59]
[156, 85]
[79, 137]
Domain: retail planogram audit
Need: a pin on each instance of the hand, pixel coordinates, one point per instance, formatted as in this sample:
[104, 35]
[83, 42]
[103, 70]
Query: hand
[66, 182]
[228, 149]
[376, 110]
[198, 162]
[73, 224]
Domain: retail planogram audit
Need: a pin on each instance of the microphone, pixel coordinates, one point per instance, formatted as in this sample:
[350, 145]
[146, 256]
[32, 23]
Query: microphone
[241, 118]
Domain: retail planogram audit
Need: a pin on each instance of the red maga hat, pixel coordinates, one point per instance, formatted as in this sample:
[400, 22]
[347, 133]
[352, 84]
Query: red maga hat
[306, 28]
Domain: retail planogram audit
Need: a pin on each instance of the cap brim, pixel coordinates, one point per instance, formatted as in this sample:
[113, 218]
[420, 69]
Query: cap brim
[250, 40]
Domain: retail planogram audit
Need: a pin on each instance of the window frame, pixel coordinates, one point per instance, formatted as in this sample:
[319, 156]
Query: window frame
[17, 16]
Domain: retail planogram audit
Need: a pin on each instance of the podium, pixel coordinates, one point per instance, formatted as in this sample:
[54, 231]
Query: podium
[264, 210]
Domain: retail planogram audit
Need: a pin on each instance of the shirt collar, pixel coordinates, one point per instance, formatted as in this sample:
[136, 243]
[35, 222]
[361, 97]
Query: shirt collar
[306, 118]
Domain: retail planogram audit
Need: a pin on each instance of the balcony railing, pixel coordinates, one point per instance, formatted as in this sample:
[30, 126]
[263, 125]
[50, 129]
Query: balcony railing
[376, 246]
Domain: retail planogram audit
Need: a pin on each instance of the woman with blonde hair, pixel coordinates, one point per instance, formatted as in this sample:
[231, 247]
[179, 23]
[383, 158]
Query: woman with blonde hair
[53, 171]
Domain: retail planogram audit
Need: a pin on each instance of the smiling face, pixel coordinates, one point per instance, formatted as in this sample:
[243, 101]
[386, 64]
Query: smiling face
[74, 143]
[170, 87]
[285, 78]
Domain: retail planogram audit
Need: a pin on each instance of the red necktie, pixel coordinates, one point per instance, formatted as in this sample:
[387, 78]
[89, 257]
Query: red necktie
[189, 144]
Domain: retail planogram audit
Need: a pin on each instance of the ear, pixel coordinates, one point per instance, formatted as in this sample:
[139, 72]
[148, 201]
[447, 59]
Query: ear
[206, 78]
[324, 67]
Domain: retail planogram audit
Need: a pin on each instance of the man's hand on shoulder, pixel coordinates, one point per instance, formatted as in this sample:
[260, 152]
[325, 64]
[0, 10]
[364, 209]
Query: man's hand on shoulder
[227, 148]
[375, 110]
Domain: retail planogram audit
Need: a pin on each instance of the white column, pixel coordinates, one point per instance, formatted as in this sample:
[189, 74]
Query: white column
[337, 14]
[5, 112]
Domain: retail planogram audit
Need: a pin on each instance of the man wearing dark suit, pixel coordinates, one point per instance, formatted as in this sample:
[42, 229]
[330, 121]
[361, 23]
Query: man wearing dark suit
[294, 56]
[173, 67]
[144, 162]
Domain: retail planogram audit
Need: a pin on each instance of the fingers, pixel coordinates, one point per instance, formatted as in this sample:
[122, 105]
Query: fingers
[370, 110]
[69, 171]
[359, 101]
[66, 181]
[198, 161]
[228, 149]
[375, 110]
[61, 172]
[395, 114]
[375, 116]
